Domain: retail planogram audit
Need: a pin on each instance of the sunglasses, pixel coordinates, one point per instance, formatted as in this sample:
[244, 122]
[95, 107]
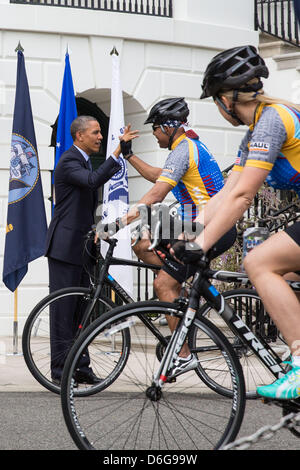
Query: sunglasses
[154, 127]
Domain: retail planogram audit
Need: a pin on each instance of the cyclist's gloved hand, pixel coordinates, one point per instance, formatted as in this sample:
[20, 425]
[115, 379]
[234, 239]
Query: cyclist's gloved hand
[126, 148]
[187, 252]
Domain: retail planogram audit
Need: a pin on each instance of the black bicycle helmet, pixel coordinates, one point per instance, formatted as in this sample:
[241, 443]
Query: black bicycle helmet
[171, 108]
[232, 69]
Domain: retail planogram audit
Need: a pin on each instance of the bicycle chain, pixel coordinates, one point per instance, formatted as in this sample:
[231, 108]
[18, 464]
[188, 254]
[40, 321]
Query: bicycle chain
[264, 433]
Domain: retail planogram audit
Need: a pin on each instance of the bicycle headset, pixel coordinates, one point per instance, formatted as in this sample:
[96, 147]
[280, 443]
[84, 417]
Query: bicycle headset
[231, 70]
[171, 112]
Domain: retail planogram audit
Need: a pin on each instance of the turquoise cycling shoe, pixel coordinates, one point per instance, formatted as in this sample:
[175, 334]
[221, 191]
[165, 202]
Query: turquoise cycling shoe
[285, 388]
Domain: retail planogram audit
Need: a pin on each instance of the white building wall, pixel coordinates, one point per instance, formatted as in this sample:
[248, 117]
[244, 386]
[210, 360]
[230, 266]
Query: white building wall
[160, 57]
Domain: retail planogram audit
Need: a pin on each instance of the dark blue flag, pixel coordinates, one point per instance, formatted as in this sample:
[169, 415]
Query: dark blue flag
[297, 9]
[67, 113]
[26, 219]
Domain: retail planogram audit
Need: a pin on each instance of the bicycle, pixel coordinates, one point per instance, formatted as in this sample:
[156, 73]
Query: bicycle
[94, 301]
[144, 396]
[91, 301]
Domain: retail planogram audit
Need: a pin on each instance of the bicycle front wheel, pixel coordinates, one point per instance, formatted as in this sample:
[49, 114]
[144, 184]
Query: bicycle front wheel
[185, 414]
[36, 343]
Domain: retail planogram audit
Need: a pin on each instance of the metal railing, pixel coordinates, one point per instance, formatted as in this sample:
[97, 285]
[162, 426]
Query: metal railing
[141, 7]
[277, 18]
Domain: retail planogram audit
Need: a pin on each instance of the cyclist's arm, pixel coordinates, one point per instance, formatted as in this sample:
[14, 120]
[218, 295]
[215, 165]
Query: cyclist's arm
[149, 172]
[233, 206]
[175, 167]
[265, 143]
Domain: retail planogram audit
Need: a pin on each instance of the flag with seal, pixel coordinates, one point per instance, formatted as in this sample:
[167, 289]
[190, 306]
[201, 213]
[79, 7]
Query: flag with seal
[26, 218]
[115, 194]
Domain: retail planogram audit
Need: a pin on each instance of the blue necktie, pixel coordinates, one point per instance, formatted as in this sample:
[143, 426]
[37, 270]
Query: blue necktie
[90, 164]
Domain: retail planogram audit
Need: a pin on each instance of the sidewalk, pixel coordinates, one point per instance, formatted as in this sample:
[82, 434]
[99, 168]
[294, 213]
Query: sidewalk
[14, 374]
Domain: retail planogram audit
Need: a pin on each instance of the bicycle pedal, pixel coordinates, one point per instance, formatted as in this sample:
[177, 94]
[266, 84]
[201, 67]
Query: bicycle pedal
[266, 401]
[171, 380]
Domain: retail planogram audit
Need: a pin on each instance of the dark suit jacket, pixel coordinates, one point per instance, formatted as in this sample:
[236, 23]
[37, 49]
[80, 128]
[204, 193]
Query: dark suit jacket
[75, 204]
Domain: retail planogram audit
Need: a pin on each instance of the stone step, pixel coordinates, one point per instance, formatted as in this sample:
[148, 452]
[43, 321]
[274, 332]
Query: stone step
[285, 55]
[288, 61]
[270, 46]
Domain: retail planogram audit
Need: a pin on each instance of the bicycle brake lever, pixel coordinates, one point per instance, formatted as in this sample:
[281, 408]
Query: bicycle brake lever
[145, 214]
[156, 237]
[136, 234]
[156, 224]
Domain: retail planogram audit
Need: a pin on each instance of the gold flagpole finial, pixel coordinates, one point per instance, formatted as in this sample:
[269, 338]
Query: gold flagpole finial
[114, 51]
[19, 48]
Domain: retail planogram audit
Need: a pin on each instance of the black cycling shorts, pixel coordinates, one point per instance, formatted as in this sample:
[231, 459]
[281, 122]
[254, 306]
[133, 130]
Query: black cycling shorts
[294, 232]
[181, 272]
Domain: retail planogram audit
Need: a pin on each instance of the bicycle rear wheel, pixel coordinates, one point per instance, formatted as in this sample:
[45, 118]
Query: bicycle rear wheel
[36, 338]
[186, 415]
[248, 305]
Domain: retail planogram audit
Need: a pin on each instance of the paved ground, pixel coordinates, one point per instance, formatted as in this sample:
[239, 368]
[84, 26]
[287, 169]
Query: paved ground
[31, 417]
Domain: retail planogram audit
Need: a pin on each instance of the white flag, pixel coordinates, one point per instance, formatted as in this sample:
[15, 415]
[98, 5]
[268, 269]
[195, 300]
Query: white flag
[115, 193]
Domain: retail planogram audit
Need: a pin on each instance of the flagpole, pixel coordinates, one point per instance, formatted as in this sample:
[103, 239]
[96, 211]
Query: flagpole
[15, 324]
[114, 51]
[115, 192]
[19, 48]
[15, 327]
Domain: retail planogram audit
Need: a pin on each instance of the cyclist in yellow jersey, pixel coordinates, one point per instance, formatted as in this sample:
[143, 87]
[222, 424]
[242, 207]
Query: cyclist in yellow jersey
[193, 175]
[270, 151]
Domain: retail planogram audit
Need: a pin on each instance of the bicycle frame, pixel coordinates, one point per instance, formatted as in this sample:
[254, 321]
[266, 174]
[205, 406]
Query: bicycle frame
[257, 344]
[105, 278]
[200, 287]
[226, 276]
[208, 291]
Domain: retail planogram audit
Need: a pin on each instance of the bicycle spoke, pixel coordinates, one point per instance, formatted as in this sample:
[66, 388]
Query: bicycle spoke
[184, 415]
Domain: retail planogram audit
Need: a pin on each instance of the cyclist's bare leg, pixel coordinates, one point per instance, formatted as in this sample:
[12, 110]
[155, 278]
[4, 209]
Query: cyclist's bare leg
[166, 287]
[167, 290]
[293, 277]
[266, 265]
[141, 251]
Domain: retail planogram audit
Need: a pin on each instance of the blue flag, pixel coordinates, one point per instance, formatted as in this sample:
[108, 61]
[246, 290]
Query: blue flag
[67, 113]
[26, 218]
[297, 9]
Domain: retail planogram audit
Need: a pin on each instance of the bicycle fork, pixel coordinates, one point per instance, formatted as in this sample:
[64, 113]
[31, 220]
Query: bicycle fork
[173, 348]
[176, 342]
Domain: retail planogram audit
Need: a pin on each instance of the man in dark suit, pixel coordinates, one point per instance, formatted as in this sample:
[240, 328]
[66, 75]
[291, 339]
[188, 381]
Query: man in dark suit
[75, 187]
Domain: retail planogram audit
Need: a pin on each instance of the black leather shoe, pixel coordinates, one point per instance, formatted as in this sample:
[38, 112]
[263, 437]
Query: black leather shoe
[56, 382]
[86, 378]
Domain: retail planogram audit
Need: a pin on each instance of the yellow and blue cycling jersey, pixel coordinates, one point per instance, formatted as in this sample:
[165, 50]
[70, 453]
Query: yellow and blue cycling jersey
[193, 173]
[273, 143]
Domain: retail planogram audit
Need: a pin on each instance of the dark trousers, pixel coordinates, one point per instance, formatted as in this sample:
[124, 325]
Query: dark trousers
[65, 314]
